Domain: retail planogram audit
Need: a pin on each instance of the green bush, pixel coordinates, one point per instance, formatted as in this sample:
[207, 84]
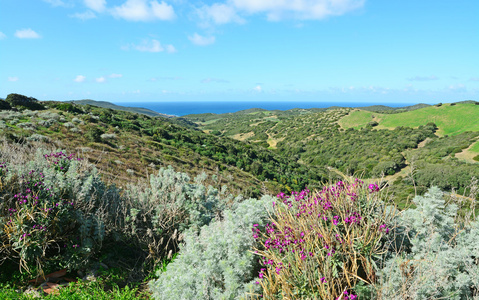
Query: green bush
[24, 102]
[4, 105]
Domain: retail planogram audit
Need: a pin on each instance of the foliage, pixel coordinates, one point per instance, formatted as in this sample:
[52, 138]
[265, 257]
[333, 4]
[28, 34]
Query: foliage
[439, 257]
[214, 262]
[47, 212]
[319, 245]
[24, 102]
[4, 105]
[155, 215]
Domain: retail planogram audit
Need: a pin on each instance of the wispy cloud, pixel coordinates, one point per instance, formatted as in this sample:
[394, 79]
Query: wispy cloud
[230, 11]
[140, 10]
[79, 78]
[84, 16]
[96, 5]
[150, 46]
[258, 88]
[27, 34]
[219, 13]
[56, 2]
[13, 79]
[423, 78]
[115, 75]
[201, 40]
[100, 79]
[2, 35]
[474, 79]
[208, 80]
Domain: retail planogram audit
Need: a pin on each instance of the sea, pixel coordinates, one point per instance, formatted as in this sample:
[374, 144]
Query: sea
[182, 108]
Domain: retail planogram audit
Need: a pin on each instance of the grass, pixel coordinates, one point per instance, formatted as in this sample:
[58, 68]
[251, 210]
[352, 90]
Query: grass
[474, 148]
[451, 120]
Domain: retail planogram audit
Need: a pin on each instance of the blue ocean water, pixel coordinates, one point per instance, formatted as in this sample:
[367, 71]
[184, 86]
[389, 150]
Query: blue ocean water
[217, 107]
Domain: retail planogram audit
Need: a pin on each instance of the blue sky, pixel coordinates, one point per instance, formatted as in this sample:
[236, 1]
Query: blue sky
[386, 51]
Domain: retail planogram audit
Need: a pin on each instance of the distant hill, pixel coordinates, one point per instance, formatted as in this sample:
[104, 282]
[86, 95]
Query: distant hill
[450, 118]
[106, 104]
[384, 108]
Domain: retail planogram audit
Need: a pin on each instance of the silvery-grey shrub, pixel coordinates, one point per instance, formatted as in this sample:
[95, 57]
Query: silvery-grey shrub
[440, 259]
[38, 138]
[108, 136]
[26, 125]
[77, 121]
[69, 125]
[215, 262]
[46, 123]
[170, 203]
[49, 115]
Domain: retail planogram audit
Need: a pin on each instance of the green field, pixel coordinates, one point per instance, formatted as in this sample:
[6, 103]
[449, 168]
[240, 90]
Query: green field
[451, 120]
[474, 148]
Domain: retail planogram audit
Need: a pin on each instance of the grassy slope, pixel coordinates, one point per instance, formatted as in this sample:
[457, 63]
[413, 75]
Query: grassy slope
[451, 120]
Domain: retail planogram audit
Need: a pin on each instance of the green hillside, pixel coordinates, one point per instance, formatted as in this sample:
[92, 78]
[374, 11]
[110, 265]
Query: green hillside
[451, 119]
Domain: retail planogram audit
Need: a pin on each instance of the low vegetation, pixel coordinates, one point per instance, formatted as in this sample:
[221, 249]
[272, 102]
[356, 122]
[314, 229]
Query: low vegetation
[113, 222]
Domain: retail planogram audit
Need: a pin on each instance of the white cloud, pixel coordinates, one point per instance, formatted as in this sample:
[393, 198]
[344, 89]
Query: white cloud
[170, 49]
[276, 10]
[116, 75]
[96, 5]
[150, 46]
[84, 16]
[79, 78]
[162, 10]
[100, 79]
[2, 35]
[298, 9]
[258, 88]
[13, 79]
[27, 34]
[219, 14]
[201, 40]
[139, 10]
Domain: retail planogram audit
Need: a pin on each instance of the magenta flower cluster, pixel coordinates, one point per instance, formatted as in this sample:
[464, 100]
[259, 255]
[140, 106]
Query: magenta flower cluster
[32, 195]
[319, 208]
[61, 160]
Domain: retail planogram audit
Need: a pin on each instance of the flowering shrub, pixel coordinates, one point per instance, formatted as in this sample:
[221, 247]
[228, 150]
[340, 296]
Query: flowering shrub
[319, 245]
[42, 213]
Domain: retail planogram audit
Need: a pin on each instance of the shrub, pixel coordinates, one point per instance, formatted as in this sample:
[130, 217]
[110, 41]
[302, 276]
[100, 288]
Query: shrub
[440, 253]
[69, 125]
[26, 125]
[38, 138]
[49, 115]
[49, 212]
[46, 123]
[158, 212]
[21, 101]
[4, 105]
[214, 262]
[108, 136]
[68, 107]
[77, 121]
[319, 245]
